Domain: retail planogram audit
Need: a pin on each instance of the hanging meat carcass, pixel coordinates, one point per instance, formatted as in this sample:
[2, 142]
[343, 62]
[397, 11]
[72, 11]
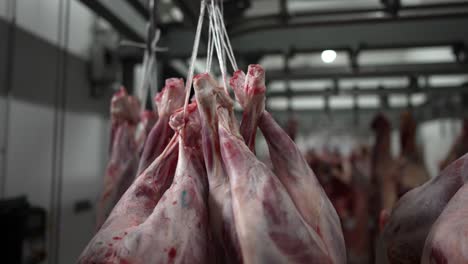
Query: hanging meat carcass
[149, 227]
[412, 171]
[124, 152]
[220, 203]
[177, 229]
[269, 228]
[448, 241]
[356, 230]
[413, 216]
[384, 166]
[167, 101]
[289, 165]
[148, 119]
[292, 127]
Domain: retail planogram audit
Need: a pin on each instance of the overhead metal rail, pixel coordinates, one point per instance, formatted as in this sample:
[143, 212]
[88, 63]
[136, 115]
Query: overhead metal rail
[391, 70]
[457, 47]
[123, 16]
[380, 90]
[387, 13]
[141, 6]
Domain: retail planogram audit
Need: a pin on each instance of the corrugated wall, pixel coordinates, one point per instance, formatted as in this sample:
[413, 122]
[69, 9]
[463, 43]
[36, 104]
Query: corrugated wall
[53, 135]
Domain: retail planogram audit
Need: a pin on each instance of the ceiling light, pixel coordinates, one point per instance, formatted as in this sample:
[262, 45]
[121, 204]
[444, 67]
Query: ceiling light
[328, 56]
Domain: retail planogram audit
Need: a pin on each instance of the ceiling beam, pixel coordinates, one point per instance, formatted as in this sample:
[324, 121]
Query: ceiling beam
[141, 6]
[393, 70]
[122, 16]
[439, 90]
[364, 16]
[399, 33]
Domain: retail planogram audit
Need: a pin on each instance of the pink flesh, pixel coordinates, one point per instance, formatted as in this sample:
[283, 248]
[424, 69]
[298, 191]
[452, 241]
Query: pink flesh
[303, 187]
[270, 229]
[120, 172]
[139, 231]
[157, 140]
[221, 214]
[124, 150]
[237, 82]
[168, 101]
[414, 214]
[171, 97]
[290, 167]
[177, 230]
[448, 240]
[148, 120]
[412, 169]
[125, 107]
[254, 103]
[133, 208]
[384, 166]
[356, 238]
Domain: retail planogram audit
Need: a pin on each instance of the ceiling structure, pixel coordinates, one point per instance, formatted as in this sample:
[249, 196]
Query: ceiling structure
[389, 53]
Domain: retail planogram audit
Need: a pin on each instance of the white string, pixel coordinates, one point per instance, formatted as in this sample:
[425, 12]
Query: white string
[226, 40]
[153, 69]
[225, 46]
[149, 61]
[209, 58]
[188, 84]
[141, 91]
[219, 49]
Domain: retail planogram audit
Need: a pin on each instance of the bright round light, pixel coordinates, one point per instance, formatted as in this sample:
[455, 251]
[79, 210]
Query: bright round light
[328, 56]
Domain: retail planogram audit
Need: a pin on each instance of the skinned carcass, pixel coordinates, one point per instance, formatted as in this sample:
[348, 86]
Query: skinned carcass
[177, 229]
[124, 152]
[384, 167]
[412, 171]
[147, 120]
[290, 167]
[143, 215]
[220, 203]
[447, 242]
[269, 228]
[412, 217]
[168, 100]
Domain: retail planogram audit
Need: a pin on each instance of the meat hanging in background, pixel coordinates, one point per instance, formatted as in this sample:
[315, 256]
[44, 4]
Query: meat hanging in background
[412, 170]
[147, 120]
[447, 242]
[384, 166]
[412, 217]
[124, 152]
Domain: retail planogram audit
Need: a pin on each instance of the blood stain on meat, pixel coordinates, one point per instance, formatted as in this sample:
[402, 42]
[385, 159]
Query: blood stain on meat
[172, 253]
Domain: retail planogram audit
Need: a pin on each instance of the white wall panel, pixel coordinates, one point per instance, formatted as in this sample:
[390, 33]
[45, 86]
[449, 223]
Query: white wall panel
[437, 137]
[80, 30]
[30, 152]
[39, 17]
[84, 155]
[3, 8]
